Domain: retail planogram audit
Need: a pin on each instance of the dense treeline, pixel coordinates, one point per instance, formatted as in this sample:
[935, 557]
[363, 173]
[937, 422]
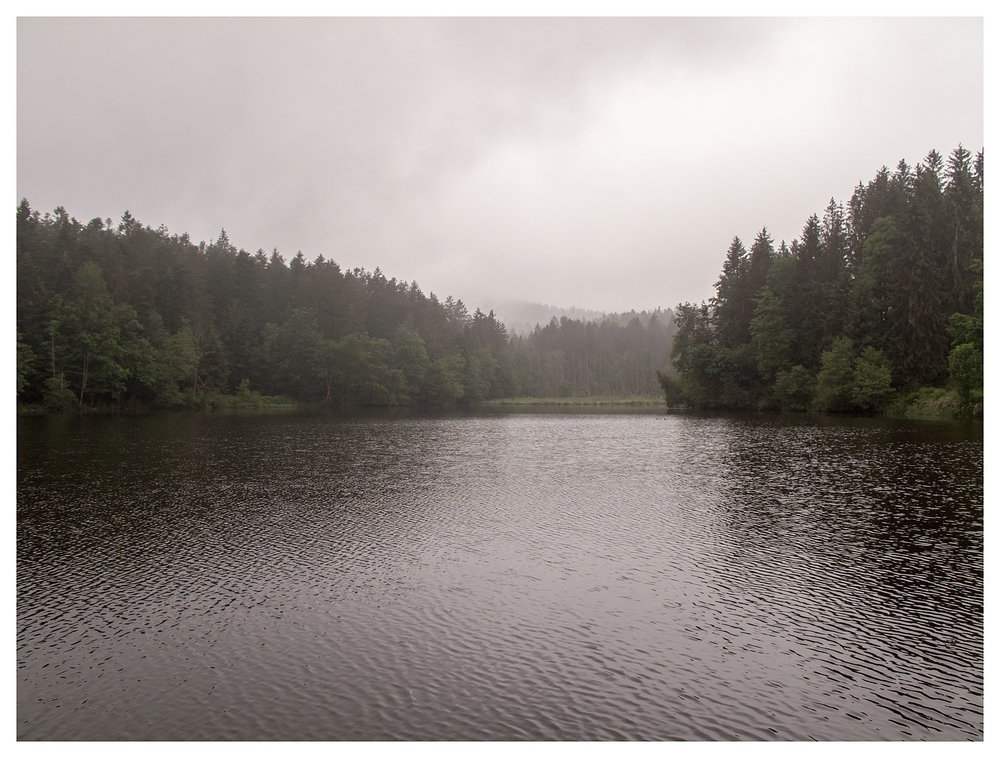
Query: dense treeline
[871, 303]
[125, 314]
[572, 358]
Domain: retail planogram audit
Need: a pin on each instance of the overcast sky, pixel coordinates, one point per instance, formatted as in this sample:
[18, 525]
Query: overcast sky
[600, 163]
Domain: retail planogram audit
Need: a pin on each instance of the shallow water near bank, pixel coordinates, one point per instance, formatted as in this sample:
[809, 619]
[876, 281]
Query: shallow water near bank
[499, 575]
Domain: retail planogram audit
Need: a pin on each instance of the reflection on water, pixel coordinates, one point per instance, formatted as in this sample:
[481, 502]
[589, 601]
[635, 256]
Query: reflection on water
[499, 576]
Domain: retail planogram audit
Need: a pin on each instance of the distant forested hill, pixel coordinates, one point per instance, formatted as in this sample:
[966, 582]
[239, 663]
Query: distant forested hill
[872, 303]
[111, 314]
[521, 316]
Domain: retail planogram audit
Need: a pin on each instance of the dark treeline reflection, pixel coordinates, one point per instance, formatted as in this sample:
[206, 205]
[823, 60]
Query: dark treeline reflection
[893, 518]
[110, 314]
[894, 492]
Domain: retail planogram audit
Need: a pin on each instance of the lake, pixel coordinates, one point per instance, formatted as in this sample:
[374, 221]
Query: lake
[498, 575]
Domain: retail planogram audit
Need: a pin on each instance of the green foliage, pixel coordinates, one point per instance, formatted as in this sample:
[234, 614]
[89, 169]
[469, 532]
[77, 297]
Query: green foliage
[365, 377]
[706, 366]
[175, 367]
[694, 329]
[712, 374]
[976, 268]
[898, 271]
[568, 389]
[443, 384]
[794, 389]
[871, 386]
[96, 345]
[246, 399]
[128, 314]
[836, 377]
[964, 329]
[477, 377]
[927, 403]
[965, 364]
[875, 294]
[772, 334]
[673, 391]
[846, 383]
[409, 356]
[733, 305]
[58, 397]
[297, 356]
[25, 364]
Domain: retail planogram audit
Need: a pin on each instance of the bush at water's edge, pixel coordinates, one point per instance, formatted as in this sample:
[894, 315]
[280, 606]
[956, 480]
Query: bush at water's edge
[938, 404]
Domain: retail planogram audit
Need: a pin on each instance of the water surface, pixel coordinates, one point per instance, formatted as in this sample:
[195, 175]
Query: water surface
[500, 576]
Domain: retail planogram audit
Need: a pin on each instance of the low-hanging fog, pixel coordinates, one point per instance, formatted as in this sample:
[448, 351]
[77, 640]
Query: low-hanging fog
[599, 163]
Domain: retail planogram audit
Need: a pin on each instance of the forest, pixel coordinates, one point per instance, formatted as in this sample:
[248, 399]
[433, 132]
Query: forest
[113, 316]
[877, 305]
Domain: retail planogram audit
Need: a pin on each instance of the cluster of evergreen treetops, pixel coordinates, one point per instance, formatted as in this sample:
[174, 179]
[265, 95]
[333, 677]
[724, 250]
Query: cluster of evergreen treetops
[873, 301]
[123, 314]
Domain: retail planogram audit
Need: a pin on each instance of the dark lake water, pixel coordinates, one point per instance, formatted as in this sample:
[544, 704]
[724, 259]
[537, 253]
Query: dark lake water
[500, 576]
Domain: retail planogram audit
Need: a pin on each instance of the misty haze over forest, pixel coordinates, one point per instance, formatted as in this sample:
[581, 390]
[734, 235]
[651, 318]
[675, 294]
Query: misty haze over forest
[521, 317]
[605, 169]
[601, 163]
[880, 301]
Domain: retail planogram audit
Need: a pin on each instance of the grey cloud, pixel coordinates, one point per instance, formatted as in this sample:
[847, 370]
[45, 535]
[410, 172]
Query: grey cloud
[598, 162]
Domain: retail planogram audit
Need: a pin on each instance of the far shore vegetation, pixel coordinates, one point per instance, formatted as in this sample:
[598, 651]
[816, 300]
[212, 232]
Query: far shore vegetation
[876, 309]
[650, 401]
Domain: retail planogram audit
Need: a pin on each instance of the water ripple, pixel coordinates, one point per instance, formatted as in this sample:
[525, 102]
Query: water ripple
[563, 576]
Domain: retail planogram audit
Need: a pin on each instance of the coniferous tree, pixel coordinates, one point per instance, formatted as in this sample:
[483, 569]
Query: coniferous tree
[893, 275]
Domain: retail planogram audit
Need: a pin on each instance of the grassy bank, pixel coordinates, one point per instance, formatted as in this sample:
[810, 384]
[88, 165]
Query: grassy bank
[605, 401]
[243, 399]
[936, 404]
